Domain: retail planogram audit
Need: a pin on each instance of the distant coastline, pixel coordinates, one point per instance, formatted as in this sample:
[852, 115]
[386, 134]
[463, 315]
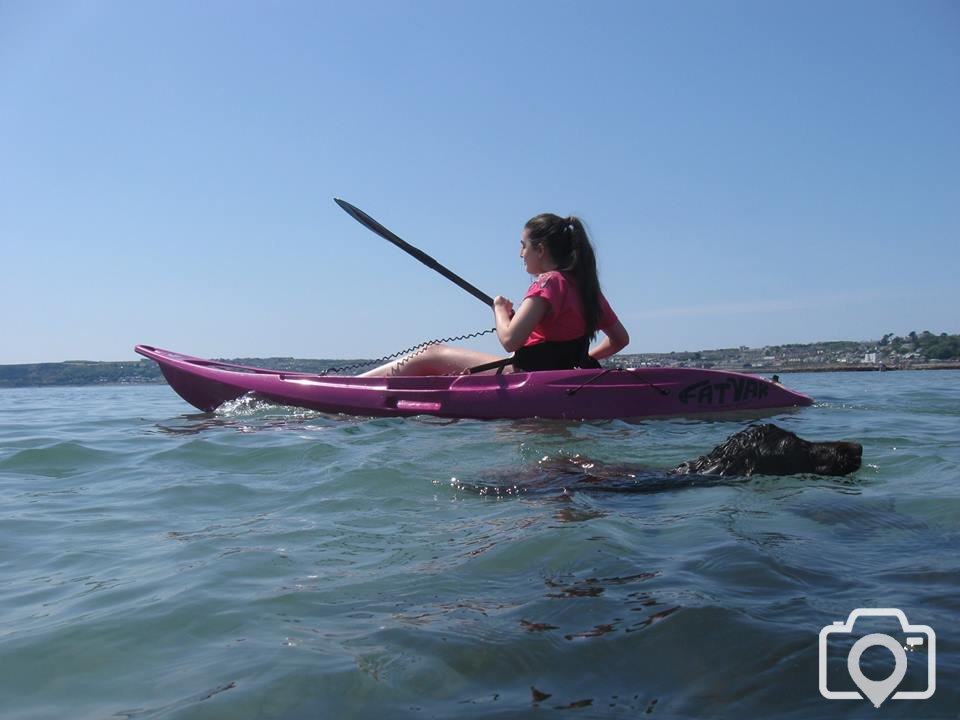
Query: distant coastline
[924, 351]
[147, 372]
[860, 368]
[131, 372]
[850, 367]
[915, 351]
[629, 361]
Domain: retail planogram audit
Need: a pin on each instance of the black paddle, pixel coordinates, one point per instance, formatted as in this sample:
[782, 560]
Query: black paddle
[361, 217]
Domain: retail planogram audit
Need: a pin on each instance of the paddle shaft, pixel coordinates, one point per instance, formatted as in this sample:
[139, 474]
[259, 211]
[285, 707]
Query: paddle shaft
[361, 217]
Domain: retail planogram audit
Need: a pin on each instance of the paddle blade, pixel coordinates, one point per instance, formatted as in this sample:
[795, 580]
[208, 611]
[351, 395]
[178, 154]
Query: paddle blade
[361, 217]
[368, 222]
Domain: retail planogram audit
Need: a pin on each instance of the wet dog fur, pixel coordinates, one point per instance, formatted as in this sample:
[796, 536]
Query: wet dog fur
[757, 450]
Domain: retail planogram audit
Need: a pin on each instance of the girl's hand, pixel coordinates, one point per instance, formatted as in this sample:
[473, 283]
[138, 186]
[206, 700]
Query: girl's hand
[513, 329]
[502, 305]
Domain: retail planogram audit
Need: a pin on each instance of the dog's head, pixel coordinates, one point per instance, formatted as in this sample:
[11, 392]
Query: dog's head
[770, 450]
[790, 455]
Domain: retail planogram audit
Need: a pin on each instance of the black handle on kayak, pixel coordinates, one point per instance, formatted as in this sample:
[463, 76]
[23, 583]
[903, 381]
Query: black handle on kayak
[361, 217]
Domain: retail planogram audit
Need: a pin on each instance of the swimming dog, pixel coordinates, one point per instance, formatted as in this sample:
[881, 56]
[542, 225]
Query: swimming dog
[757, 450]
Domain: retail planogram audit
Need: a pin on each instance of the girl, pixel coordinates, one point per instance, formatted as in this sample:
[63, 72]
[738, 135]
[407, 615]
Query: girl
[557, 319]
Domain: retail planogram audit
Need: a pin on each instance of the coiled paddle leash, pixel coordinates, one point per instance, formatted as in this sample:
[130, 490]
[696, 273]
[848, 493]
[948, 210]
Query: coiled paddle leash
[411, 351]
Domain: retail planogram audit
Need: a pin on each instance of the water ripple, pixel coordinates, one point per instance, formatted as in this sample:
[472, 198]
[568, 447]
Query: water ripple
[269, 562]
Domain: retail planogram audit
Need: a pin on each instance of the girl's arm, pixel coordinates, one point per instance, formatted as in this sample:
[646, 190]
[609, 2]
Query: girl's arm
[514, 329]
[615, 339]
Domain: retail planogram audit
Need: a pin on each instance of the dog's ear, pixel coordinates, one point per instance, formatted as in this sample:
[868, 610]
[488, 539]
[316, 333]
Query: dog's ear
[737, 455]
[783, 453]
[732, 459]
[744, 462]
[741, 454]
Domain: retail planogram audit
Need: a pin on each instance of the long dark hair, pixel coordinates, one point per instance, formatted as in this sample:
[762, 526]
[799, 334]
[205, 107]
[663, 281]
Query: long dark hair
[570, 248]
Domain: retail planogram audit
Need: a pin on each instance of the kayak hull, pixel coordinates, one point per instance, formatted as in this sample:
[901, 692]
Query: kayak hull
[560, 394]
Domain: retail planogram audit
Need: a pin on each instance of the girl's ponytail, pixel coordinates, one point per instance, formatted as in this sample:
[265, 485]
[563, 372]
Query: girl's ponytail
[583, 266]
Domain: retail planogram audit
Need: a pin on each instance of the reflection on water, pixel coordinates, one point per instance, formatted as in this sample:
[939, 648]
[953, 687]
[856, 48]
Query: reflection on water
[198, 423]
[251, 414]
[564, 475]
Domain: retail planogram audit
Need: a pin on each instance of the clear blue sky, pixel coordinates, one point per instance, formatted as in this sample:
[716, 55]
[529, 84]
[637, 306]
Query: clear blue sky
[752, 172]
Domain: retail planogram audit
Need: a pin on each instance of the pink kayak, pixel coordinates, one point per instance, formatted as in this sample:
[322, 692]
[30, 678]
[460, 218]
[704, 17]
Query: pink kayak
[560, 394]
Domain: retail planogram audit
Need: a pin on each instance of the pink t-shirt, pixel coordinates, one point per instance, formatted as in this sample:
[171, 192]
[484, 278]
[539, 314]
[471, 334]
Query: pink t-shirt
[564, 319]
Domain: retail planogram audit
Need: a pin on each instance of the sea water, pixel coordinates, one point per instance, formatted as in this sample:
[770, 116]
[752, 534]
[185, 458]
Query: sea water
[268, 562]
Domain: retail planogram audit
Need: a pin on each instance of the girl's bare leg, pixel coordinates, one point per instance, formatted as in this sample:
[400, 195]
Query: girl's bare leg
[435, 360]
